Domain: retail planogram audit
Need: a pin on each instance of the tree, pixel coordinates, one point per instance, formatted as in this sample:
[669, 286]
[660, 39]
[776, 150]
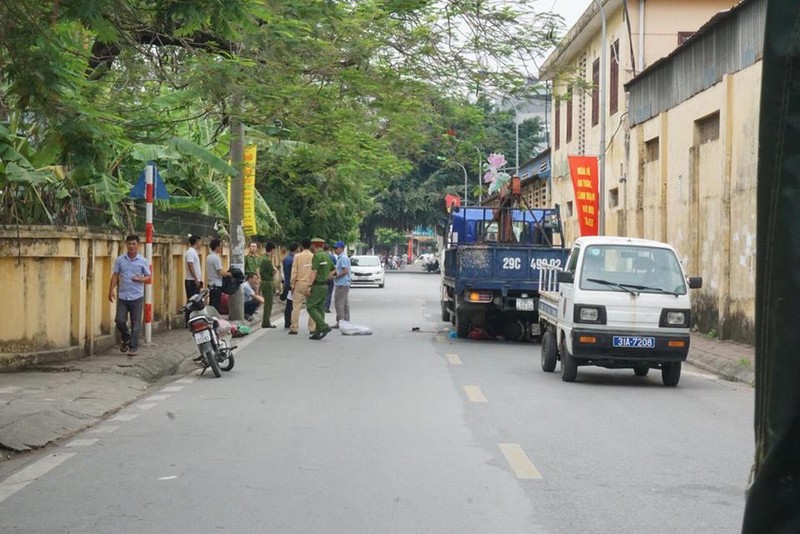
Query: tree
[345, 98]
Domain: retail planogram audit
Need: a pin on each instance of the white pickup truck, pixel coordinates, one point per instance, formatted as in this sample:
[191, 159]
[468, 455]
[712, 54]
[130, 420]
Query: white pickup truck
[620, 303]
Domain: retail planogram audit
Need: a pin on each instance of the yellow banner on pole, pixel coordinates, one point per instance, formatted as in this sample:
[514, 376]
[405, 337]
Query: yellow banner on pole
[249, 183]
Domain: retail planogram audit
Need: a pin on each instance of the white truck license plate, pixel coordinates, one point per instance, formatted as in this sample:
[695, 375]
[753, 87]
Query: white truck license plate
[634, 342]
[525, 304]
[202, 337]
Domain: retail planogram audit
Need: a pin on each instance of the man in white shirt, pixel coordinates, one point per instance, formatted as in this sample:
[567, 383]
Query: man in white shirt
[215, 274]
[194, 274]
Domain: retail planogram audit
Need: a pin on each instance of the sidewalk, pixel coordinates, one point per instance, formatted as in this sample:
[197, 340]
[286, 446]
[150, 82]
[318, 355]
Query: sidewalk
[56, 401]
[727, 359]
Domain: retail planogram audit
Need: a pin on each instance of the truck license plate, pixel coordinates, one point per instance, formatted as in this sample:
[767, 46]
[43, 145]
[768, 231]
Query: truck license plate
[525, 304]
[634, 342]
[202, 337]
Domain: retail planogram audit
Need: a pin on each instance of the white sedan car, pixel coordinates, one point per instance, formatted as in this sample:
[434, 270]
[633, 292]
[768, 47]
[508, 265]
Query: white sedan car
[366, 270]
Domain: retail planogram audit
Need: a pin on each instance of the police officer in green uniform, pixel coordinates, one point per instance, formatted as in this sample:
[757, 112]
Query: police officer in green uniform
[266, 270]
[252, 259]
[321, 264]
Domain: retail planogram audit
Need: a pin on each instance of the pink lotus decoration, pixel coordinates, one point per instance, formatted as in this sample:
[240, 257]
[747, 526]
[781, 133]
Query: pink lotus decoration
[494, 175]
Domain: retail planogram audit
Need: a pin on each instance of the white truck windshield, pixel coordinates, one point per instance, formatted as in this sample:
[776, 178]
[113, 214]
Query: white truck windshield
[635, 269]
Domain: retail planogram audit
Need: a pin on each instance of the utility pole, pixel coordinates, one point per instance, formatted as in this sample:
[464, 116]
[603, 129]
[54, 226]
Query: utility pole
[236, 301]
[601, 159]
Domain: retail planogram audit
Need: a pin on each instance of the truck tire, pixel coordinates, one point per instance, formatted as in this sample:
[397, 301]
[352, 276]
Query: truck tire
[462, 325]
[445, 312]
[569, 367]
[671, 373]
[549, 353]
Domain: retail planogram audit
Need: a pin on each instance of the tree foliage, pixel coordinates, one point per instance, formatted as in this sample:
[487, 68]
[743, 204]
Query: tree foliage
[347, 102]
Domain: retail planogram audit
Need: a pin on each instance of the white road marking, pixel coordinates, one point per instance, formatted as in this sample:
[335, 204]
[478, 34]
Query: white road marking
[22, 478]
[146, 406]
[158, 397]
[441, 339]
[105, 429]
[173, 477]
[519, 461]
[125, 417]
[702, 374]
[453, 359]
[185, 380]
[82, 442]
[474, 394]
[171, 389]
[10, 389]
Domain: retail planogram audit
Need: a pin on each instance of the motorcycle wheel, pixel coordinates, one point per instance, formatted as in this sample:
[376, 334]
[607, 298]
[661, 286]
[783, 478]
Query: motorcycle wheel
[211, 361]
[227, 363]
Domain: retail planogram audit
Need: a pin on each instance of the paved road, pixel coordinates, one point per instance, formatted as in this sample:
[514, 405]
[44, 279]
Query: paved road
[399, 432]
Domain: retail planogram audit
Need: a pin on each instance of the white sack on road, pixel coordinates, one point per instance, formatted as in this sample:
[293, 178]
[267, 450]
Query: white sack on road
[351, 329]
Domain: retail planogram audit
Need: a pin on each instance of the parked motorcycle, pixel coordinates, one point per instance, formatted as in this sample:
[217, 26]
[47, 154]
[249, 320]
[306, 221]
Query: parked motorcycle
[215, 352]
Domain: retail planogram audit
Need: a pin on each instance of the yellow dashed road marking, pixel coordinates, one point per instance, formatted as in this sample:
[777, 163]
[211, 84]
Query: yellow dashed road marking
[454, 359]
[519, 461]
[474, 394]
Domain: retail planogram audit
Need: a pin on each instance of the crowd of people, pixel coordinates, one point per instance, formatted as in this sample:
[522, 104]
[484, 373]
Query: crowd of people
[312, 274]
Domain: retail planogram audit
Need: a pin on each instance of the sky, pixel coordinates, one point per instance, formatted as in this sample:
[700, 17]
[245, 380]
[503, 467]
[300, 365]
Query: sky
[571, 10]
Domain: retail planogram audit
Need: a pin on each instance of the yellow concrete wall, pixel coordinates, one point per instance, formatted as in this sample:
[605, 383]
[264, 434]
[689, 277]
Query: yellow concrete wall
[707, 207]
[701, 199]
[663, 19]
[55, 289]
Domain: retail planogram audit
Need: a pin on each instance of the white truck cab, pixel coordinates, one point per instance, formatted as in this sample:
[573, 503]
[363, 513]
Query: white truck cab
[619, 303]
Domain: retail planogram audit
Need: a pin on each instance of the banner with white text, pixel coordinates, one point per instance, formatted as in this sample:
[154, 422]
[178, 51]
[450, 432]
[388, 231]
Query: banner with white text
[583, 170]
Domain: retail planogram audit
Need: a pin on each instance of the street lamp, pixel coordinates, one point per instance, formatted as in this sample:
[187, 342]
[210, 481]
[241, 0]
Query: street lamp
[480, 167]
[601, 159]
[466, 183]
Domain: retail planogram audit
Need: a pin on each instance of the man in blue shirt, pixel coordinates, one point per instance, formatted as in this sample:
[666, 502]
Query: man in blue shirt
[252, 300]
[342, 282]
[131, 272]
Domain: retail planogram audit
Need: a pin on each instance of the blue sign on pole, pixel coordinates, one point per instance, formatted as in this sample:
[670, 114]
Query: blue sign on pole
[159, 187]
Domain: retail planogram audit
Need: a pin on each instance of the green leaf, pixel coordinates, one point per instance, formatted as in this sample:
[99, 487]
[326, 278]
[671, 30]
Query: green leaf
[266, 220]
[15, 173]
[216, 195]
[209, 158]
[145, 153]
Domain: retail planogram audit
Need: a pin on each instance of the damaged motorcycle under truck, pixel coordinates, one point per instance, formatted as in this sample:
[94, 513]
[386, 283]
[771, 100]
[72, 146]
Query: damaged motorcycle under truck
[491, 262]
[215, 351]
[619, 303]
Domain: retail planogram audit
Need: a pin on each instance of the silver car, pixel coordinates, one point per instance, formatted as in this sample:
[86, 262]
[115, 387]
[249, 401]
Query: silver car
[366, 270]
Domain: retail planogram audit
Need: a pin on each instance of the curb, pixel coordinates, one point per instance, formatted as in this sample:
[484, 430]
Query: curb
[95, 391]
[725, 369]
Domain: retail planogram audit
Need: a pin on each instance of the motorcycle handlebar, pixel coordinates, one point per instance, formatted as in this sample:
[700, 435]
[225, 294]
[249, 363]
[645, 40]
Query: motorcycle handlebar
[199, 297]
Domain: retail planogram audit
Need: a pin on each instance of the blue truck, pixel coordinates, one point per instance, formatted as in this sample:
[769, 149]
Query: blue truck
[491, 262]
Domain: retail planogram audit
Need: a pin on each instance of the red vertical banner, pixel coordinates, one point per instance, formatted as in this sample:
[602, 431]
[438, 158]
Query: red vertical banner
[583, 170]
